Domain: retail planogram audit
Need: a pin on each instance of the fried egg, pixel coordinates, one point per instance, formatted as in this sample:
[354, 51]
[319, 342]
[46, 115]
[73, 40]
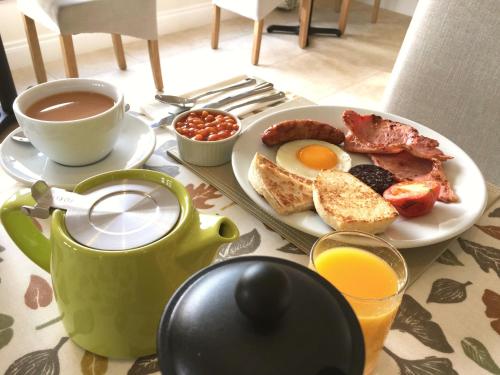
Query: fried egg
[307, 157]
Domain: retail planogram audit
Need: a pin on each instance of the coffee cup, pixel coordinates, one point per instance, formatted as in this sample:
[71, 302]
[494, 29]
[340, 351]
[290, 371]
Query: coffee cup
[73, 121]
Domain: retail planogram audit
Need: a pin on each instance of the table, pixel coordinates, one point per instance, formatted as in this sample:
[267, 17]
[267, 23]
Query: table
[305, 15]
[305, 11]
[304, 29]
[448, 323]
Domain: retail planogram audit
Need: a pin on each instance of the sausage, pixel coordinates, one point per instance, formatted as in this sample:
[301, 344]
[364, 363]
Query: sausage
[292, 130]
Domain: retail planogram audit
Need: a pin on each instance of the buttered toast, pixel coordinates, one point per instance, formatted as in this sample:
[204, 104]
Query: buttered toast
[346, 203]
[286, 192]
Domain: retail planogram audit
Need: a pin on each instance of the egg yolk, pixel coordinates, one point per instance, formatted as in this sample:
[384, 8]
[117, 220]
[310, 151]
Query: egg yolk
[317, 157]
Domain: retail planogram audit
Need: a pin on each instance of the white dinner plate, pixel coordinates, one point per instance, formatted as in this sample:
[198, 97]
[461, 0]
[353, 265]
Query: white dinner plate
[443, 222]
[26, 164]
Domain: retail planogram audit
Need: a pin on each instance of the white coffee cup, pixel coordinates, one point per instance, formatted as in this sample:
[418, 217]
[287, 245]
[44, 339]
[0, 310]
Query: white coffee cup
[72, 142]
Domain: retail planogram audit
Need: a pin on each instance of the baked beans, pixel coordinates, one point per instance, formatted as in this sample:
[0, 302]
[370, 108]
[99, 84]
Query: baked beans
[207, 126]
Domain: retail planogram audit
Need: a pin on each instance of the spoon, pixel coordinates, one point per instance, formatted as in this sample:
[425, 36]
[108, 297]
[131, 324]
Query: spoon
[19, 136]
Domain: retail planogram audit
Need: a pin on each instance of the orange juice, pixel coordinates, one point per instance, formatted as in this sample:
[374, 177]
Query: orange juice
[368, 282]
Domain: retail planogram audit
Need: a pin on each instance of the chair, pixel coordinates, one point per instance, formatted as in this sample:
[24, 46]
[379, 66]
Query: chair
[339, 4]
[253, 9]
[447, 76]
[135, 18]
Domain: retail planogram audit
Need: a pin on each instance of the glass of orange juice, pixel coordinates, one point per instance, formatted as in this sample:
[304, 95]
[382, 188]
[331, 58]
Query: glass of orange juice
[371, 274]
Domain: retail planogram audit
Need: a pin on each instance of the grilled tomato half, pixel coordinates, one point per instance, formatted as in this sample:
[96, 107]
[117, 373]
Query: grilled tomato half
[413, 198]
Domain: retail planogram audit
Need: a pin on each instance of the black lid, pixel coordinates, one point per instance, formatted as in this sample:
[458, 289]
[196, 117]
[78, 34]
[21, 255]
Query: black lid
[259, 316]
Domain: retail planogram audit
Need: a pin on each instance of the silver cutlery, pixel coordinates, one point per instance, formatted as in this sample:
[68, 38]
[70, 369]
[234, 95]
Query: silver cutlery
[263, 87]
[20, 137]
[263, 99]
[133, 113]
[190, 102]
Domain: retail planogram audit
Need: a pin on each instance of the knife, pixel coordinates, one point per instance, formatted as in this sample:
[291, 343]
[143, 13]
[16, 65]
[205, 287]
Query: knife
[263, 99]
[260, 88]
[175, 100]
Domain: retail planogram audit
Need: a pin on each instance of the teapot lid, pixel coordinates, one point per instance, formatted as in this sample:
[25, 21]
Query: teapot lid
[124, 214]
[117, 215]
[259, 315]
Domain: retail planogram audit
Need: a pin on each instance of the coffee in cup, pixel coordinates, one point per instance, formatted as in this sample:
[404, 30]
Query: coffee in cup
[66, 106]
[73, 121]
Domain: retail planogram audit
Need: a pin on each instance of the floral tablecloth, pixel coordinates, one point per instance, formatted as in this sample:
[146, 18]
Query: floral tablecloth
[449, 321]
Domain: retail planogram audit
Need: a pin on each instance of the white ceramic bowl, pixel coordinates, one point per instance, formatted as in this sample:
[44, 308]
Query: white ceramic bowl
[206, 153]
[72, 142]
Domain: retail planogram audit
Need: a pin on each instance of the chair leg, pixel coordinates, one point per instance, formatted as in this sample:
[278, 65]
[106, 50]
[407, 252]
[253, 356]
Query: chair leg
[68, 55]
[34, 46]
[375, 9]
[118, 48]
[344, 12]
[216, 27]
[336, 5]
[257, 38]
[154, 58]
[304, 16]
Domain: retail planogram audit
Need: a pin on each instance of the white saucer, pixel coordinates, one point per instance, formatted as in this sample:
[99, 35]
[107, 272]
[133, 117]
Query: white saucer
[26, 164]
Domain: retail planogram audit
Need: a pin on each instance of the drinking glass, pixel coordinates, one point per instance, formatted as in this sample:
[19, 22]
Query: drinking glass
[375, 313]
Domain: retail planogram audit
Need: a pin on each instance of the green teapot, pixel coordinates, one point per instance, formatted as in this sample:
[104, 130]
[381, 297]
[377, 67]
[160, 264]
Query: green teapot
[127, 240]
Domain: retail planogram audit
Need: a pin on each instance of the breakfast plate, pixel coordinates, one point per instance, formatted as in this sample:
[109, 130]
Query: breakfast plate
[26, 164]
[445, 221]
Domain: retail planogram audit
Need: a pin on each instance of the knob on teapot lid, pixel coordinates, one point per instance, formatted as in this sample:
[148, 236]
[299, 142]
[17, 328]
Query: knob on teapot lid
[263, 293]
[259, 315]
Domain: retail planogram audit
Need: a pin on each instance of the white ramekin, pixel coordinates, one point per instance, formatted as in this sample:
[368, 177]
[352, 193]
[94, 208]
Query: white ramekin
[206, 153]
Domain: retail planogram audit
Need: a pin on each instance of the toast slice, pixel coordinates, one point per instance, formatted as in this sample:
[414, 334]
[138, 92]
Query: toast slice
[286, 192]
[346, 203]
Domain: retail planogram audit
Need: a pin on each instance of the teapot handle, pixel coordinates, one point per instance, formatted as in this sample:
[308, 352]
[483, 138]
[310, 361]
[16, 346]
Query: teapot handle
[23, 231]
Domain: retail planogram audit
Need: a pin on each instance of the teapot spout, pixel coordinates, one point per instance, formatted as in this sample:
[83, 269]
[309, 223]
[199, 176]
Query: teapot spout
[222, 229]
[203, 240]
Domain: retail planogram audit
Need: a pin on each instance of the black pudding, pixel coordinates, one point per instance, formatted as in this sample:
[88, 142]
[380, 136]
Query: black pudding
[379, 179]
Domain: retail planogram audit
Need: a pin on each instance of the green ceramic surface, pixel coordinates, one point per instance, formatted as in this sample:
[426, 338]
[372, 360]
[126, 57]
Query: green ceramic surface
[111, 301]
